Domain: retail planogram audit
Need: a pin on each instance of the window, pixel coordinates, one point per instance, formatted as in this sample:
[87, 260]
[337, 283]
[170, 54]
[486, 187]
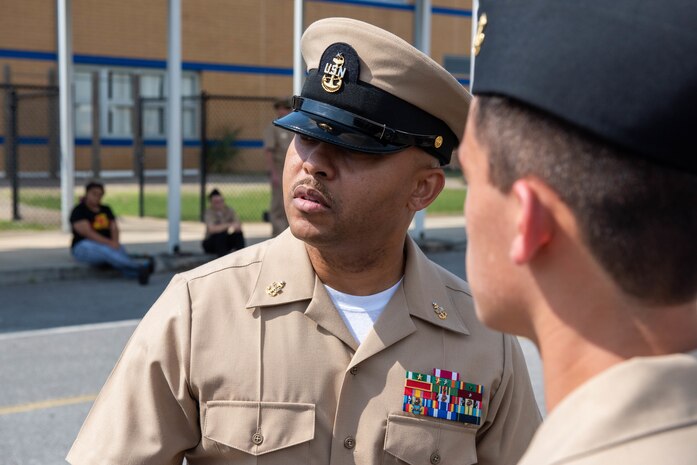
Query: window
[152, 89]
[83, 104]
[119, 104]
[117, 101]
[190, 106]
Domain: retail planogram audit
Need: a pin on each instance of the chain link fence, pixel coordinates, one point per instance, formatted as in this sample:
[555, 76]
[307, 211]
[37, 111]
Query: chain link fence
[222, 148]
[226, 153]
[30, 184]
[233, 159]
[223, 151]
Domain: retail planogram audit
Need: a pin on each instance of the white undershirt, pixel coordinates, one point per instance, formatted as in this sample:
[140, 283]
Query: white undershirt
[360, 312]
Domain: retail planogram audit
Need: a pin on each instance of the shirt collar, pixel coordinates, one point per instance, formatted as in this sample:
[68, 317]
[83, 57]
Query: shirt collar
[286, 264]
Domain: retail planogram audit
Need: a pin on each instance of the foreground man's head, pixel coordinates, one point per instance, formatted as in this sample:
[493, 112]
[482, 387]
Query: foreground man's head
[582, 171]
[374, 122]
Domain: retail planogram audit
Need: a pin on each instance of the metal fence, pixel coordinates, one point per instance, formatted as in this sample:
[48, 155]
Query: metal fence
[225, 152]
[228, 155]
[232, 143]
[29, 144]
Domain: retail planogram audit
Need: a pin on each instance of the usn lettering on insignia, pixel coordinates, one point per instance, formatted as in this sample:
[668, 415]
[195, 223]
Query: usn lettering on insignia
[444, 397]
[334, 74]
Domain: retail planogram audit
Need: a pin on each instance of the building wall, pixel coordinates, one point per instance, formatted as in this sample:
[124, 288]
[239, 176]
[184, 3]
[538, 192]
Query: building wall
[241, 47]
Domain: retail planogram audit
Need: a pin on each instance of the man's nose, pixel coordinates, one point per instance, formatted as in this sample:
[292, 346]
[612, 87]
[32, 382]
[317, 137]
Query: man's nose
[319, 160]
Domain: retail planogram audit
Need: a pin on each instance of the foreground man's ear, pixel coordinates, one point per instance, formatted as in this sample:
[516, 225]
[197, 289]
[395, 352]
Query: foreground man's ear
[534, 223]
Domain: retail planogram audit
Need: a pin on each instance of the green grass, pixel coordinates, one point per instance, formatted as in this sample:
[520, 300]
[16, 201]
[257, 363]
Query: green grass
[23, 226]
[249, 203]
[449, 202]
[51, 201]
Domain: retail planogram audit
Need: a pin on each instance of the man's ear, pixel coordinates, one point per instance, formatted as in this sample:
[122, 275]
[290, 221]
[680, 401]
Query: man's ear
[429, 184]
[534, 222]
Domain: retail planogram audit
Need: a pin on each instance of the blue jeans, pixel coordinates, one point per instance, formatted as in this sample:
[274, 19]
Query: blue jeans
[94, 253]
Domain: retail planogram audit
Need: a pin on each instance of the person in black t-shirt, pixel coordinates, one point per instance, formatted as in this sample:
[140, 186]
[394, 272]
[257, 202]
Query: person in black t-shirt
[96, 236]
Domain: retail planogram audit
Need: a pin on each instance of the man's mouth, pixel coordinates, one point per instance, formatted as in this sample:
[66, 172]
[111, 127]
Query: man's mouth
[310, 194]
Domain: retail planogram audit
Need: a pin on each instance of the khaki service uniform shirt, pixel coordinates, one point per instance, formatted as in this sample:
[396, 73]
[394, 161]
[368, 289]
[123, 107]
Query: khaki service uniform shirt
[277, 140]
[213, 217]
[642, 411]
[230, 366]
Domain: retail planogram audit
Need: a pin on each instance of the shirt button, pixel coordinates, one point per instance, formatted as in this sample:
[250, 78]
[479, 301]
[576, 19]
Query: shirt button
[435, 458]
[349, 442]
[257, 438]
[353, 370]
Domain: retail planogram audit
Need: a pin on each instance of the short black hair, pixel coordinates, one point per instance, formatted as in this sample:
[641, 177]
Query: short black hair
[213, 193]
[638, 218]
[94, 184]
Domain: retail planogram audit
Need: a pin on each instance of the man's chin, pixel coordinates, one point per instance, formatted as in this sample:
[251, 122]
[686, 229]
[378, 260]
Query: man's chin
[493, 318]
[306, 231]
[503, 320]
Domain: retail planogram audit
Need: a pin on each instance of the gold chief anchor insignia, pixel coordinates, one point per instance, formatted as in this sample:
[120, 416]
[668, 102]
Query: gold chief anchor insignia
[275, 288]
[334, 74]
[439, 311]
[479, 38]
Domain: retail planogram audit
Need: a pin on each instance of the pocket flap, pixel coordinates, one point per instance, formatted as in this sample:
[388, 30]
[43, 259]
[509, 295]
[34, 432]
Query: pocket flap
[415, 441]
[283, 424]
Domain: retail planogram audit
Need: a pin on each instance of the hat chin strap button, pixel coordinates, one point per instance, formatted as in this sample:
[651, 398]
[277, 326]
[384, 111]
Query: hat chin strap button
[325, 127]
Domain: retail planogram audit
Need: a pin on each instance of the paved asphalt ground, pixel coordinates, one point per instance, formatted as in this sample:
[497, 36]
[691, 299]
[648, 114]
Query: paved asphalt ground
[58, 343]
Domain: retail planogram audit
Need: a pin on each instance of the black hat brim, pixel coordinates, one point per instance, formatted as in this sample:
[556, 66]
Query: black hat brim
[327, 129]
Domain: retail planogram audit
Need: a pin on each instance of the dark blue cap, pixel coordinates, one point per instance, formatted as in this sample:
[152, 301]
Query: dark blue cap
[622, 70]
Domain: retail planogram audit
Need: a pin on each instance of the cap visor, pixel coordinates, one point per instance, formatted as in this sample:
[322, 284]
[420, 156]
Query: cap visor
[332, 132]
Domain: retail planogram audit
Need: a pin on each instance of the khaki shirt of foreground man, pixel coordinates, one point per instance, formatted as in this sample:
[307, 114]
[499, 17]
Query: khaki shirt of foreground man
[582, 217]
[247, 359]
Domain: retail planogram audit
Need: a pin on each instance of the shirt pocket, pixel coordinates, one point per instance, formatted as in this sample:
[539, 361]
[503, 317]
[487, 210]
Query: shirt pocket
[419, 441]
[283, 437]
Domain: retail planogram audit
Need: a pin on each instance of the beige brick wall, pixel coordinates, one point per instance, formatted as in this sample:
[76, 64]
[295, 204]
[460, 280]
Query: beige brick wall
[125, 28]
[458, 4]
[28, 25]
[240, 32]
[453, 37]
[34, 72]
[121, 158]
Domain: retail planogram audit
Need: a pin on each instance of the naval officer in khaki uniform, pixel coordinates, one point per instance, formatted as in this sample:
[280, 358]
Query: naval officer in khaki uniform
[581, 160]
[276, 142]
[338, 341]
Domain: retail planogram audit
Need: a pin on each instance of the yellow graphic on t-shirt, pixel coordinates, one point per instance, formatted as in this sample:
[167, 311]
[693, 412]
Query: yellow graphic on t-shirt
[101, 221]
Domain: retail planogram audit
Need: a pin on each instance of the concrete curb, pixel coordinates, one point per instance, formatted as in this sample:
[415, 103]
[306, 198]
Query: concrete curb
[79, 271]
[35, 257]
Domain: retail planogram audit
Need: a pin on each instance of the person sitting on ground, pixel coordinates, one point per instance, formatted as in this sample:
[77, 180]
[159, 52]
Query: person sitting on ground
[96, 237]
[223, 227]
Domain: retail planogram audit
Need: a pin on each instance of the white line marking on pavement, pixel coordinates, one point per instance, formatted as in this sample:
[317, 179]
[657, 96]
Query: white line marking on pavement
[69, 329]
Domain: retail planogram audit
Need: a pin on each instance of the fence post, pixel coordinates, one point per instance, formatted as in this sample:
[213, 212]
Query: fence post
[204, 153]
[138, 151]
[7, 86]
[53, 143]
[96, 129]
[11, 116]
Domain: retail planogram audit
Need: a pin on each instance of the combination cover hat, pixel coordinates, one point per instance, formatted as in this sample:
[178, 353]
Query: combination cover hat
[624, 71]
[367, 90]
